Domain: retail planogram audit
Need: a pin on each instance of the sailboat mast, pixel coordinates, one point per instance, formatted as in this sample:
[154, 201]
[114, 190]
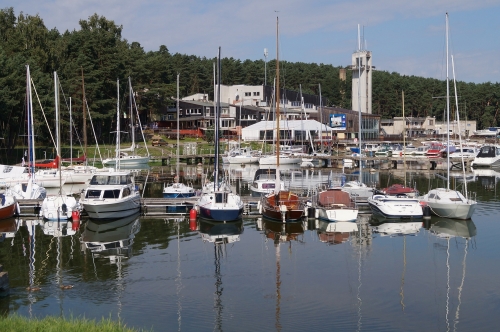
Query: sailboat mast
[84, 102]
[320, 119]
[447, 110]
[177, 106]
[277, 97]
[58, 134]
[217, 114]
[31, 131]
[70, 134]
[359, 105]
[404, 134]
[132, 128]
[117, 153]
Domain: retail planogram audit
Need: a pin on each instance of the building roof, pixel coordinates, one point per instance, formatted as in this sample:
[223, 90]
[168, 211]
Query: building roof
[289, 125]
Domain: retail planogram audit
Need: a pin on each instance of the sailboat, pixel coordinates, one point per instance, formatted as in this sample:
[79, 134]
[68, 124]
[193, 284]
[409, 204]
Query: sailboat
[445, 202]
[219, 204]
[58, 207]
[281, 205]
[399, 205]
[178, 189]
[31, 189]
[112, 194]
[123, 157]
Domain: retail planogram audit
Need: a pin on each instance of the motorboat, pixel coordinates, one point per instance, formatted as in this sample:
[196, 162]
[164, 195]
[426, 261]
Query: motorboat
[488, 156]
[335, 205]
[395, 207]
[434, 150]
[178, 190]
[465, 152]
[264, 182]
[398, 189]
[111, 195]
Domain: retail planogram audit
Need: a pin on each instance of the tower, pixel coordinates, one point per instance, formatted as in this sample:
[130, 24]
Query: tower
[362, 79]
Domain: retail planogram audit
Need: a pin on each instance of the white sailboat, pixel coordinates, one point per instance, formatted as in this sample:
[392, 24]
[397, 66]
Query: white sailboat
[123, 157]
[112, 194]
[60, 206]
[445, 202]
[219, 204]
[29, 189]
[178, 189]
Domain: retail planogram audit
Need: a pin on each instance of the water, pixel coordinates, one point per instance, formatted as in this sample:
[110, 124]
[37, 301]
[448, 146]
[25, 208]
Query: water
[260, 275]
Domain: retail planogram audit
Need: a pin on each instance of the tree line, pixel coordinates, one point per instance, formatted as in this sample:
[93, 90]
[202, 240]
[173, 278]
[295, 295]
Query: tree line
[92, 57]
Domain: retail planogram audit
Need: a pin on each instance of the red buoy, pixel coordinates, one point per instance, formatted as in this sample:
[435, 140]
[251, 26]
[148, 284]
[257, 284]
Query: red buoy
[75, 225]
[75, 215]
[192, 214]
[192, 225]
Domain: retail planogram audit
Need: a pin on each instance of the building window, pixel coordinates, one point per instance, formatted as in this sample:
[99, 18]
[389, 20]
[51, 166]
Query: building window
[257, 93]
[248, 94]
[431, 122]
[349, 124]
[171, 117]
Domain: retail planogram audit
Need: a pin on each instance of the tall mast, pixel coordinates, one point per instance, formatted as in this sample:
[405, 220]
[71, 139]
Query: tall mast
[447, 110]
[177, 106]
[404, 134]
[84, 102]
[70, 134]
[132, 128]
[117, 153]
[58, 132]
[359, 105]
[277, 98]
[31, 131]
[217, 114]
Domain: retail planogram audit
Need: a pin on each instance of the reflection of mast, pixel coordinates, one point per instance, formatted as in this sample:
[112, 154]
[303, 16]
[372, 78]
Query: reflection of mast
[457, 314]
[218, 289]
[278, 284]
[403, 275]
[179, 276]
[447, 282]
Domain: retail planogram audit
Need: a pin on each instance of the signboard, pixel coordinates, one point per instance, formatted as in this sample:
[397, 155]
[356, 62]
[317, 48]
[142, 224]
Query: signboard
[337, 121]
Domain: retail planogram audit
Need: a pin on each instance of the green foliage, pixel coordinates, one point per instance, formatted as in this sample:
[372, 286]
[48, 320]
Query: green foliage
[98, 55]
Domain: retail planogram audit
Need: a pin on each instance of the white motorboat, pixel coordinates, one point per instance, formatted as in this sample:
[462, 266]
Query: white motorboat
[395, 207]
[465, 152]
[421, 151]
[59, 207]
[285, 159]
[488, 156]
[264, 182]
[111, 195]
[357, 190]
[335, 205]
[490, 132]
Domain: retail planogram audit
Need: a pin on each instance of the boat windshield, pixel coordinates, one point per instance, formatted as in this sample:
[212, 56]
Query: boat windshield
[110, 179]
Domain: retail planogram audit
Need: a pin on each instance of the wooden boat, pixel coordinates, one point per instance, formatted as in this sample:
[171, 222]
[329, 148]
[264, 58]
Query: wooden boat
[281, 205]
[8, 205]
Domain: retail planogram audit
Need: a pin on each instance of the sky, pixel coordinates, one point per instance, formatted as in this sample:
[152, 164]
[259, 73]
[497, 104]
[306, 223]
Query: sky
[407, 37]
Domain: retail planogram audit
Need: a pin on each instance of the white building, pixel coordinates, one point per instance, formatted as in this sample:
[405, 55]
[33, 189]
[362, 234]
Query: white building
[296, 130]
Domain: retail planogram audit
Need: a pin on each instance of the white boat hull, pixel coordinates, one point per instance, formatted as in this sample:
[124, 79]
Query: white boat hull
[52, 207]
[449, 204]
[335, 215]
[284, 160]
[112, 208]
[127, 161]
[394, 207]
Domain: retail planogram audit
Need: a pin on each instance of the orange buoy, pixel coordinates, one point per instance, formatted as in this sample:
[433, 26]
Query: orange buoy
[192, 225]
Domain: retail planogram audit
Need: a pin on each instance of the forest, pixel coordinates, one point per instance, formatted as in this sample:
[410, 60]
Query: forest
[89, 60]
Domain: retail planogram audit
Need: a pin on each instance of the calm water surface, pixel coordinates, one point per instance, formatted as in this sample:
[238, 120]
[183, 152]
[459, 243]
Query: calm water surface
[172, 274]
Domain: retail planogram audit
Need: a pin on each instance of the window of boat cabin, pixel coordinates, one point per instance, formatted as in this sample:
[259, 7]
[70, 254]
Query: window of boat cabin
[93, 194]
[126, 192]
[111, 193]
[220, 197]
[99, 180]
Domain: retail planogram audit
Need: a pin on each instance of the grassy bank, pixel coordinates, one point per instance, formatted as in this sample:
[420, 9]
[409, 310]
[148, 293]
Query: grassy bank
[18, 323]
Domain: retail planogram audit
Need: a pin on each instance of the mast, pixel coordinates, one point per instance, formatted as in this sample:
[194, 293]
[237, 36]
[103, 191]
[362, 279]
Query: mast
[84, 102]
[117, 153]
[277, 98]
[177, 106]
[58, 134]
[359, 105]
[320, 119]
[447, 110]
[70, 134]
[216, 136]
[404, 135]
[31, 131]
[132, 128]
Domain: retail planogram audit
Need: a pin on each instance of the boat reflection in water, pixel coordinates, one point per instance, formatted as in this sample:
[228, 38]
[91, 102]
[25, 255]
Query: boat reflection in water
[335, 232]
[9, 228]
[386, 227]
[111, 239]
[279, 233]
[445, 230]
[219, 234]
